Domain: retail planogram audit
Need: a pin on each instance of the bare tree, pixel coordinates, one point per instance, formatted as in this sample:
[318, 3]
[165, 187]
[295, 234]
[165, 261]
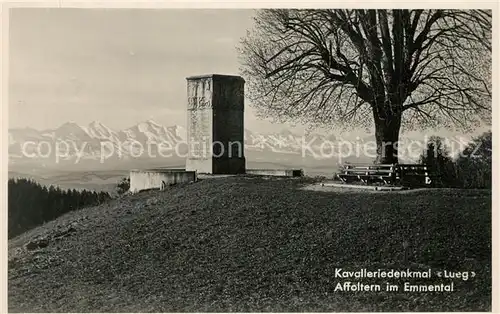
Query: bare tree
[387, 69]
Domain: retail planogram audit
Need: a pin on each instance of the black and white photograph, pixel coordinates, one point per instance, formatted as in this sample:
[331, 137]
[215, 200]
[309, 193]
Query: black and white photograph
[330, 157]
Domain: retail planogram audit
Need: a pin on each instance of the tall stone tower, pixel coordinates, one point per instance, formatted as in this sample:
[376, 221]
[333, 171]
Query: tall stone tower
[215, 108]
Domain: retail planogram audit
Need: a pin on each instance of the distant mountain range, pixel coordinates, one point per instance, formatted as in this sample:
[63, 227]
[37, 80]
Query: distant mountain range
[95, 144]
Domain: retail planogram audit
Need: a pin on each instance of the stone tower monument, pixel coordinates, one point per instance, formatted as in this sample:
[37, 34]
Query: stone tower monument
[215, 107]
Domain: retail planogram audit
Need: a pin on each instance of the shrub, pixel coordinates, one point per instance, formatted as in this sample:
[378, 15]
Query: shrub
[123, 186]
[440, 163]
[474, 163]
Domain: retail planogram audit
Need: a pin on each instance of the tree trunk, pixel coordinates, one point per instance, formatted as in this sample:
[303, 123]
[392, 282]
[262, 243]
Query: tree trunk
[387, 137]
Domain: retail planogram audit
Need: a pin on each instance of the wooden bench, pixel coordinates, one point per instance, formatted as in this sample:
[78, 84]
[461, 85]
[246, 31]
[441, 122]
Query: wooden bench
[368, 173]
[416, 175]
[404, 174]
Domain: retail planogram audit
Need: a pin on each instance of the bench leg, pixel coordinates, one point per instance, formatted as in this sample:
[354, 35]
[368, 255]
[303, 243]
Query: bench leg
[342, 179]
[384, 180]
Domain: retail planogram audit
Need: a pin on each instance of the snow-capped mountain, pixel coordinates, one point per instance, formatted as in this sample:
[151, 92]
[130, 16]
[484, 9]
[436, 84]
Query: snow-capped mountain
[99, 143]
[96, 142]
[97, 130]
[152, 132]
[24, 134]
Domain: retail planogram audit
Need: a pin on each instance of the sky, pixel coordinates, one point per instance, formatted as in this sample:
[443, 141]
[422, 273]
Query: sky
[120, 66]
[117, 66]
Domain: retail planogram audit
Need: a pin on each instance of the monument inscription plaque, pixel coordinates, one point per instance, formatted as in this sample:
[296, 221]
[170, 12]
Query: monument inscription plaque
[215, 105]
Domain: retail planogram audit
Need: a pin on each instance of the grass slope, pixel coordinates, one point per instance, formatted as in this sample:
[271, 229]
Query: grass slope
[254, 244]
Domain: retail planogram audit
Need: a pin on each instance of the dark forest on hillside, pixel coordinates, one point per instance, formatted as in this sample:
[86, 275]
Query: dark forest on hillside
[31, 204]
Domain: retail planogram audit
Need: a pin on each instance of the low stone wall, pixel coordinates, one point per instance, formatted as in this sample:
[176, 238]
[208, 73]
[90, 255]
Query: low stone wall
[159, 178]
[276, 172]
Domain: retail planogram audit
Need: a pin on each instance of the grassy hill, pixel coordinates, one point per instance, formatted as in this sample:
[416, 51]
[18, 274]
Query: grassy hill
[254, 244]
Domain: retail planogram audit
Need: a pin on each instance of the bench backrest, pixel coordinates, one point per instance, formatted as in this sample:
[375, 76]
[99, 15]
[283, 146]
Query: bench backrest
[415, 174]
